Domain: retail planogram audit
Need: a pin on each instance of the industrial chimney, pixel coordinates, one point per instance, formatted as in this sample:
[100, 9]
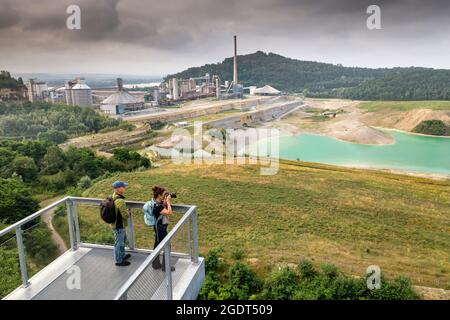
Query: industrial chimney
[235, 70]
[119, 84]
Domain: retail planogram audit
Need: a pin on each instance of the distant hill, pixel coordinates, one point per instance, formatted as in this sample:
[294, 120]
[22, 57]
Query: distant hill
[316, 79]
[11, 88]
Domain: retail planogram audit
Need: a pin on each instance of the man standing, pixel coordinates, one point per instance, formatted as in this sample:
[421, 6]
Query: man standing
[121, 223]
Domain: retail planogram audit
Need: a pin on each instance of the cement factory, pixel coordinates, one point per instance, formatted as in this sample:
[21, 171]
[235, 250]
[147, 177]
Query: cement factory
[118, 101]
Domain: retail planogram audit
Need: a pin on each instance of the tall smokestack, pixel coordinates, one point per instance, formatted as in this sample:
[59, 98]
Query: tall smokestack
[119, 84]
[235, 70]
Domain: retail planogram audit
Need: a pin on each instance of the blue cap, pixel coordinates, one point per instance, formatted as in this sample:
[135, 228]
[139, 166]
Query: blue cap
[119, 184]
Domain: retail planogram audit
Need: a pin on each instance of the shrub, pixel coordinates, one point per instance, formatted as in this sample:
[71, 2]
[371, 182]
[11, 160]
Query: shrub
[84, 183]
[280, 285]
[243, 280]
[306, 269]
[330, 270]
[210, 288]
[433, 127]
[39, 245]
[213, 261]
[397, 289]
[238, 254]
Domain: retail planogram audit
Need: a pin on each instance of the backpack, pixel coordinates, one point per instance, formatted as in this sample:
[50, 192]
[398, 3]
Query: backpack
[108, 210]
[149, 218]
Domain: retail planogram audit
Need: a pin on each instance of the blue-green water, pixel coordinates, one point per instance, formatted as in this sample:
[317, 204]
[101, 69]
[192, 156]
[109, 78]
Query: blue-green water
[410, 152]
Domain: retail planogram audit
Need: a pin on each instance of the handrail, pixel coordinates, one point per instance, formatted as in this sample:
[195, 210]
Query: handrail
[154, 253]
[32, 217]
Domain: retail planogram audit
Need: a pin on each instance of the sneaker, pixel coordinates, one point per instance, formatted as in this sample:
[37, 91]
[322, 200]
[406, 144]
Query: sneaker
[127, 256]
[156, 266]
[172, 268]
[123, 264]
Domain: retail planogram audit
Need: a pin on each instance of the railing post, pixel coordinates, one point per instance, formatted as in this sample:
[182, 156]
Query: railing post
[168, 270]
[195, 235]
[130, 230]
[73, 244]
[188, 238]
[22, 261]
[77, 223]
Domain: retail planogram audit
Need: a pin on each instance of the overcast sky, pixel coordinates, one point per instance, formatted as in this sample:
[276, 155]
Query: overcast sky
[160, 37]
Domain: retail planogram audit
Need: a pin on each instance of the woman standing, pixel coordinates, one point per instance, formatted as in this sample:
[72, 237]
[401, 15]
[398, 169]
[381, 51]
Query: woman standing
[162, 208]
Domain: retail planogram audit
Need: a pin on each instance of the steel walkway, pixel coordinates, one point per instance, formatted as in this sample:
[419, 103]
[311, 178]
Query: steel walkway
[87, 271]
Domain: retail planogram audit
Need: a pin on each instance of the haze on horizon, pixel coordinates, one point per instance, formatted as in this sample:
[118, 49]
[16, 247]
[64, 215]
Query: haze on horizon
[145, 37]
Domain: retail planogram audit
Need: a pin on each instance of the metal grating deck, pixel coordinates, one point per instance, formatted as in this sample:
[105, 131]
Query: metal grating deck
[100, 278]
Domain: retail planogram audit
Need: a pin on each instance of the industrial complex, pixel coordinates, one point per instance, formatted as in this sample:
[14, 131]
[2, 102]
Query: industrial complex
[151, 103]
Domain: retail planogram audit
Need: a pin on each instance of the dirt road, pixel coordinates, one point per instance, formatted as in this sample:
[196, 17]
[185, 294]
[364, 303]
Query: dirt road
[47, 219]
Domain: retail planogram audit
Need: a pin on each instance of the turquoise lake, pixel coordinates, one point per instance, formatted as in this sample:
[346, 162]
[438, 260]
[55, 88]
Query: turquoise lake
[410, 152]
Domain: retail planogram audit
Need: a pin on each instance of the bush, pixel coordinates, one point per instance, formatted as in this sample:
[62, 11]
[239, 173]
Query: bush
[281, 284]
[306, 269]
[210, 288]
[433, 127]
[10, 270]
[23, 166]
[396, 289]
[213, 261]
[330, 270]
[238, 254]
[39, 245]
[84, 183]
[243, 280]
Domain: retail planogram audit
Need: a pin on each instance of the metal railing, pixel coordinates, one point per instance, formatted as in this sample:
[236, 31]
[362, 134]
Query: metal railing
[188, 220]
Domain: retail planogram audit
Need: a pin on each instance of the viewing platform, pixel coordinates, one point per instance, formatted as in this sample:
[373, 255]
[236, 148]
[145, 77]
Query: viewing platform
[86, 271]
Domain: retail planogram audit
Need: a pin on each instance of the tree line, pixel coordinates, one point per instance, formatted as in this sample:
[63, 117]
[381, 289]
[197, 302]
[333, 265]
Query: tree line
[51, 122]
[324, 80]
[35, 167]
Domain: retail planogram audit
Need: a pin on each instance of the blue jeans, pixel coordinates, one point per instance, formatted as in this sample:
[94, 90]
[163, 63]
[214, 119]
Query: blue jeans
[120, 237]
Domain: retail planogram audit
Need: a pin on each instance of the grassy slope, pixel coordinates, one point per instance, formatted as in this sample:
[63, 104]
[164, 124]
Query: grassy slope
[352, 218]
[375, 106]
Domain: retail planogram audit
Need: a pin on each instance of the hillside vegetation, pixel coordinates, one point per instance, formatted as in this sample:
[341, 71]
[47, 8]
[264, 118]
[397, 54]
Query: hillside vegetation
[351, 218]
[325, 80]
[51, 122]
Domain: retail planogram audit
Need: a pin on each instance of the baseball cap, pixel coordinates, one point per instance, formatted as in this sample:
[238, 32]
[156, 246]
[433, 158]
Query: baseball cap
[119, 184]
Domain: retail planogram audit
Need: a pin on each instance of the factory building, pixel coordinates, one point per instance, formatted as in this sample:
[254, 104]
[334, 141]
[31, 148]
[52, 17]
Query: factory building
[37, 90]
[120, 102]
[192, 88]
[78, 93]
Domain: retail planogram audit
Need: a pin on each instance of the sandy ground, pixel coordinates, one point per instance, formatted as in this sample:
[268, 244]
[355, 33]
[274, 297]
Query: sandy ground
[347, 126]
[405, 121]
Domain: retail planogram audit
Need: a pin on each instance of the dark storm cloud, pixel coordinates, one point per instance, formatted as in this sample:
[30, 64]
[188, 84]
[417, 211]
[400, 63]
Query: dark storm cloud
[8, 16]
[202, 28]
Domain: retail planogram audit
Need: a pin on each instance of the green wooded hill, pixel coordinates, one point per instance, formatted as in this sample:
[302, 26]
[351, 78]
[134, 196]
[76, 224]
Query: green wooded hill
[316, 79]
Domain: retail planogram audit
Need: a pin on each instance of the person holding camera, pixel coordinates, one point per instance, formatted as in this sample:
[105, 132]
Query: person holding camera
[162, 209]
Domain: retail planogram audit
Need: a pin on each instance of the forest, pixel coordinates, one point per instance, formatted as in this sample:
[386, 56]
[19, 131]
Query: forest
[51, 122]
[324, 80]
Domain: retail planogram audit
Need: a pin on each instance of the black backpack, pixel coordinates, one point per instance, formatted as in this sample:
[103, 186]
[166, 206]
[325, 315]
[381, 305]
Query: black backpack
[108, 210]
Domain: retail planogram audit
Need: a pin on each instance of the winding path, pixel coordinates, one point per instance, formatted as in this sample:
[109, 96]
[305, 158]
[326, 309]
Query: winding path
[47, 219]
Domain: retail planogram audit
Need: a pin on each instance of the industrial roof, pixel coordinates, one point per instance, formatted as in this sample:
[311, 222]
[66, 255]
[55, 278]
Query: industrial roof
[81, 86]
[120, 97]
[267, 90]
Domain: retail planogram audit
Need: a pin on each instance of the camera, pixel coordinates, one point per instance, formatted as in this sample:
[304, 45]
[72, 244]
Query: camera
[173, 195]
